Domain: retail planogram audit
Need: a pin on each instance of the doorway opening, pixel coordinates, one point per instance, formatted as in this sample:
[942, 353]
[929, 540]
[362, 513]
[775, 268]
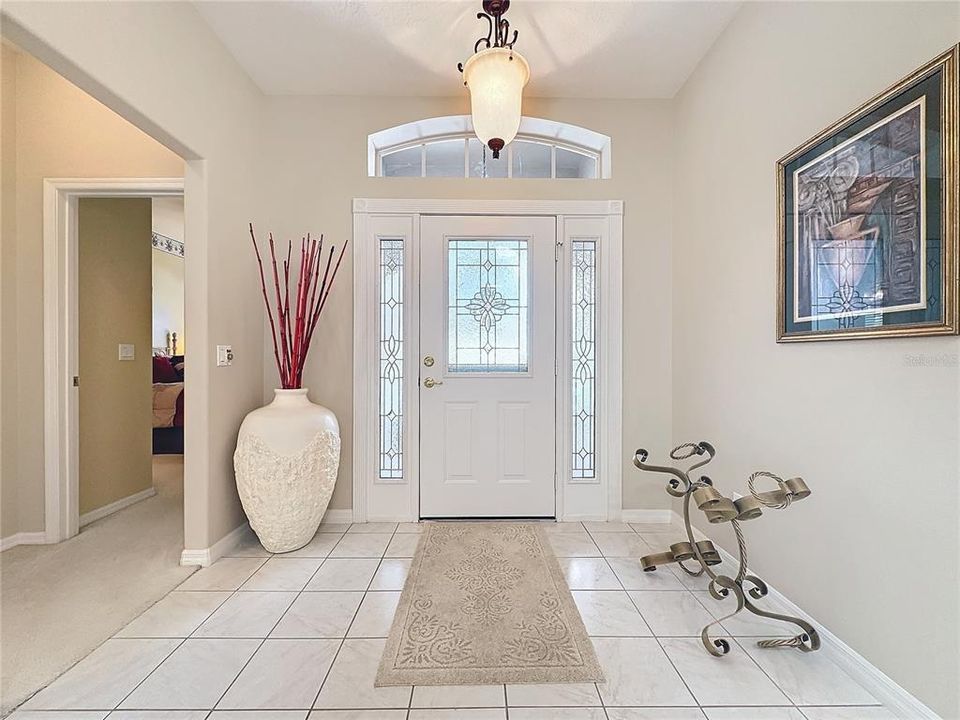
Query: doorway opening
[102, 265]
[130, 370]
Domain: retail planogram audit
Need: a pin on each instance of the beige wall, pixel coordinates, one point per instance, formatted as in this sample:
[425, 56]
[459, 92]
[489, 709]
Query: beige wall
[115, 395]
[168, 274]
[60, 132]
[872, 553]
[315, 157]
[9, 516]
[198, 102]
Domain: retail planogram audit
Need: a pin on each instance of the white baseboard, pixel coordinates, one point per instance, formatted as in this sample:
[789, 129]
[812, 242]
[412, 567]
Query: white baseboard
[205, 557]
[897, 700]
[577, 517]
[648, 516]
[23, 538]
[113, 507]
[338, 516]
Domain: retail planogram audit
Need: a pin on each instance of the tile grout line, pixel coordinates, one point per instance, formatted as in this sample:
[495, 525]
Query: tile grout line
[184, 640]
[672, 663]
[343, 640]
[766, 674]
[279, 620]
[262, 641]
[657, 639]
[147, 676]
[193, 636]
[230, 594]
[653, 634]
[733, 640]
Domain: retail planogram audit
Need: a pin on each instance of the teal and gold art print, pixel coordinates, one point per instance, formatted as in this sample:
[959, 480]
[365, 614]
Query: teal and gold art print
[868, 220]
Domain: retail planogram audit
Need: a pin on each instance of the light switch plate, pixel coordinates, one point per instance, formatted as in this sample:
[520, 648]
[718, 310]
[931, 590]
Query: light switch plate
[224, 355]
[127, 352]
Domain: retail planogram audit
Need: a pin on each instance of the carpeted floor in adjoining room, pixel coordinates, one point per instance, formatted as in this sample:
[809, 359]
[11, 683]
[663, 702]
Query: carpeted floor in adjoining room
[59, 602]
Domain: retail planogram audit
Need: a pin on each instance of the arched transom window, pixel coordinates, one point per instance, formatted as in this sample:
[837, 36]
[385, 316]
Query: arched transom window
[447, 147]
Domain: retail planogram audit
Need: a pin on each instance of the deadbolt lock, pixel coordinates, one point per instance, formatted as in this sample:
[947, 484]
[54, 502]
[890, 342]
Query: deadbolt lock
[429, 361]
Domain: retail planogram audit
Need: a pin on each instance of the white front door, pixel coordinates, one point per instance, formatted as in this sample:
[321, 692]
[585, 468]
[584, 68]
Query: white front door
[487, 366]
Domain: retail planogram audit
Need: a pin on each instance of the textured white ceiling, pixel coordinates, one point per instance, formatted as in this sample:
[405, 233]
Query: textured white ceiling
[576, 48]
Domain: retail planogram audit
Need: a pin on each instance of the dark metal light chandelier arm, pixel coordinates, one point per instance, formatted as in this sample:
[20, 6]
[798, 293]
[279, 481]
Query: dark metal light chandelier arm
[484, 40]
[498, 27]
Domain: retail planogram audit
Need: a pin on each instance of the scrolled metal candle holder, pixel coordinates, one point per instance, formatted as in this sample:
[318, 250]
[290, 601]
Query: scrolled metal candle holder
[719, 509]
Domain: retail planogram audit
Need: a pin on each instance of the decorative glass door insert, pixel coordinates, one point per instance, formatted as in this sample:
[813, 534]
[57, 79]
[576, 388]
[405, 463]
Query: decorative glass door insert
[487, 310]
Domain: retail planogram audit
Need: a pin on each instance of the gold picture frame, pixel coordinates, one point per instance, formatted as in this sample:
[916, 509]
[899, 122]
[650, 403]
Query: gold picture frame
[816, 257]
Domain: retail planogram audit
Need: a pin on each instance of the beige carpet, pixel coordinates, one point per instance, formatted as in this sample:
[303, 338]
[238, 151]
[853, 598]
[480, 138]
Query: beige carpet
[486, 603]
[59, 602]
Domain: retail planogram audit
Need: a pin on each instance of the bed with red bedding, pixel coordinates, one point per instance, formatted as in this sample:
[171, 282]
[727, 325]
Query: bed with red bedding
[168, 405]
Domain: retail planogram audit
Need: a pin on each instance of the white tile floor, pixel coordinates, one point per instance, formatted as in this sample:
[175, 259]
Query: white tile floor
[263, 637]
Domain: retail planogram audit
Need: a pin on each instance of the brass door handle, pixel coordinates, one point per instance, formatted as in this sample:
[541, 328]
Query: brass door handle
[430, 383]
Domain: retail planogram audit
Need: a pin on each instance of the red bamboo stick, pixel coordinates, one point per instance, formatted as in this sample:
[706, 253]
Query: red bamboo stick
[329, 287]
[302, 289]
[266, 303]
[284, 347]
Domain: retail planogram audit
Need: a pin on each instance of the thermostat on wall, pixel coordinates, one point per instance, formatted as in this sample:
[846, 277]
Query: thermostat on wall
[127, 352]
[224, 355]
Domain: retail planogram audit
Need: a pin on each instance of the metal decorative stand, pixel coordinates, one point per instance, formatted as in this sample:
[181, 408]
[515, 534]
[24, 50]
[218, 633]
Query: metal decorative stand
[719, 509]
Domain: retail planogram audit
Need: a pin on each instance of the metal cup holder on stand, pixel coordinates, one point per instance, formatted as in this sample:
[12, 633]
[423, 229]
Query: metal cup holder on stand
[720, 509]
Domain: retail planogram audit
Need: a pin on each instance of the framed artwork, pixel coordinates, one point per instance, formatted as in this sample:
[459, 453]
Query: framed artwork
[868, 217]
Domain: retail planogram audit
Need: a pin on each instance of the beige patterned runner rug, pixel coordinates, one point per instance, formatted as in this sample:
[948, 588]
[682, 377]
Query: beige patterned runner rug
[486, 603]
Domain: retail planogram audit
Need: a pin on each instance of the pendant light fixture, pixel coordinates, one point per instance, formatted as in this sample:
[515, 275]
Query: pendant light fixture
[495, 76]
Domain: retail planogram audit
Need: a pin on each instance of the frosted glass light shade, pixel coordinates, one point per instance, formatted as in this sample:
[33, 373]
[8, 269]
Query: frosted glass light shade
[496, 77]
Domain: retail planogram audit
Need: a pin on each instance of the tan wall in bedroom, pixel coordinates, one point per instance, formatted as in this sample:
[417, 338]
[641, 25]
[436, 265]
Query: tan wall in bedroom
[116, 402]
[315, 156]
[168, 274]
[60, 132]
[9, 520]
[871, 553]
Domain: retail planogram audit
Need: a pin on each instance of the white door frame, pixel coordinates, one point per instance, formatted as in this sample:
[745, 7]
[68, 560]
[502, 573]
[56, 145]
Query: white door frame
[61, 431]
[397, 499]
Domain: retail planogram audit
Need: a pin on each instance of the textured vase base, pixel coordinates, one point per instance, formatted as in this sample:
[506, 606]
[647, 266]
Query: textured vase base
[286, 496]
[281, 544]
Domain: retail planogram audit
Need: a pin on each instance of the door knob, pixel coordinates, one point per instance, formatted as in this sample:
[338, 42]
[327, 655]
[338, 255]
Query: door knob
[430, 382]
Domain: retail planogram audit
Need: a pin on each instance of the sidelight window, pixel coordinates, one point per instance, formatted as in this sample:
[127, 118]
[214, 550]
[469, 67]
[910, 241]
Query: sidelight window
[584, 357]
[391, 359]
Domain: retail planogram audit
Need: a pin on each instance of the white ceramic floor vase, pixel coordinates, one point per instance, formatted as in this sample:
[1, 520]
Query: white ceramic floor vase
[286, 465]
